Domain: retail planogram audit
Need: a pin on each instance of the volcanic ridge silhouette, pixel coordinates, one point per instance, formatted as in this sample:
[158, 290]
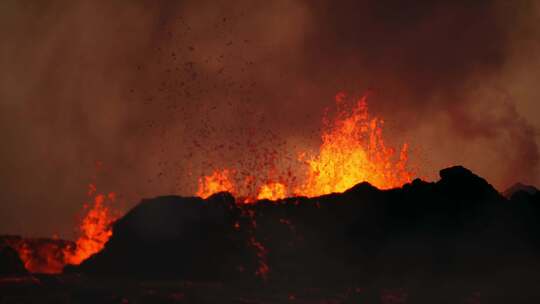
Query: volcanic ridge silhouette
[457, 227]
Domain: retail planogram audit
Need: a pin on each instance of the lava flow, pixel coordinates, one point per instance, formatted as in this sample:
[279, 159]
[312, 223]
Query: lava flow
[95, 228]
[352, 151]
[50, 256]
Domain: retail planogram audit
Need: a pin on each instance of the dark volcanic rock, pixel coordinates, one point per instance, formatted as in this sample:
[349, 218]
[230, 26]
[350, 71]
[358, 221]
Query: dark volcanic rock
[174, 236]
[458, 227]
[519, 187]
[10, 262]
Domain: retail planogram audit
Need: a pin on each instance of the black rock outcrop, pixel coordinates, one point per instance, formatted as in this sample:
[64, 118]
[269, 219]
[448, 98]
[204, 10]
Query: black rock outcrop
[174, 236]
[519, 187]
[10, 262]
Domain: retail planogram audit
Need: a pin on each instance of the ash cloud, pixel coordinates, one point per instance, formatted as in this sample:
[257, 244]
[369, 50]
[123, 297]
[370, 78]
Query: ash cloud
[160, 91]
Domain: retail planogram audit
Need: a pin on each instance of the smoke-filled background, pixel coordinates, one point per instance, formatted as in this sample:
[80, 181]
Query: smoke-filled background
[160, 92]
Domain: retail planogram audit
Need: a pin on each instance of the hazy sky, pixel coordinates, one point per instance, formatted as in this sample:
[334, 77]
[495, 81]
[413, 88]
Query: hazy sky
[152, 89]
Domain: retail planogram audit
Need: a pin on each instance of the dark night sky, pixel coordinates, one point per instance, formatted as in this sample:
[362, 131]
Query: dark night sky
[134, 84]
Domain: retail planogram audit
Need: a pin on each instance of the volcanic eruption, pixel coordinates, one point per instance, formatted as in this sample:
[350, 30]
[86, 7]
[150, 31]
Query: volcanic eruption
[326, 216]
[352, 151]
[51, 255]
[270, 152]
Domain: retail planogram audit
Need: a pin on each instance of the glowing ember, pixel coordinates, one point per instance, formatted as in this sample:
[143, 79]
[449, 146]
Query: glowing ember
[261, 252]
[352, 151]
[263, 269]
[95, 228]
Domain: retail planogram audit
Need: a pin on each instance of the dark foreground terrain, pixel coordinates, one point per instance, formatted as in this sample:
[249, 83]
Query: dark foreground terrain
[453, 241]
[82, 289]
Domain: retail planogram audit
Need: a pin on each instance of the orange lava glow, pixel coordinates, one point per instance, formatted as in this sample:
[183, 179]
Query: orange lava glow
[352, 151]
[272, 191]
[40, 255]
[95, 228]
[218, 181]
[50, 256]
[262, 270]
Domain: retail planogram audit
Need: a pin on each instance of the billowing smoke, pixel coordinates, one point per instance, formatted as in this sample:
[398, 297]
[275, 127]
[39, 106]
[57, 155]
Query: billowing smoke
[161, 91]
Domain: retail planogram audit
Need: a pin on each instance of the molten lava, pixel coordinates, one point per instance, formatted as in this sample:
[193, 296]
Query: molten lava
[50, 256]
[272, 191]
[218, 181]
[40, 255]
[352, 151]
[95, 228]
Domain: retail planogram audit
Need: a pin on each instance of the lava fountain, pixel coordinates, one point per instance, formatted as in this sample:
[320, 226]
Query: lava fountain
[352, 151]
[95, 228]
[50, 256]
